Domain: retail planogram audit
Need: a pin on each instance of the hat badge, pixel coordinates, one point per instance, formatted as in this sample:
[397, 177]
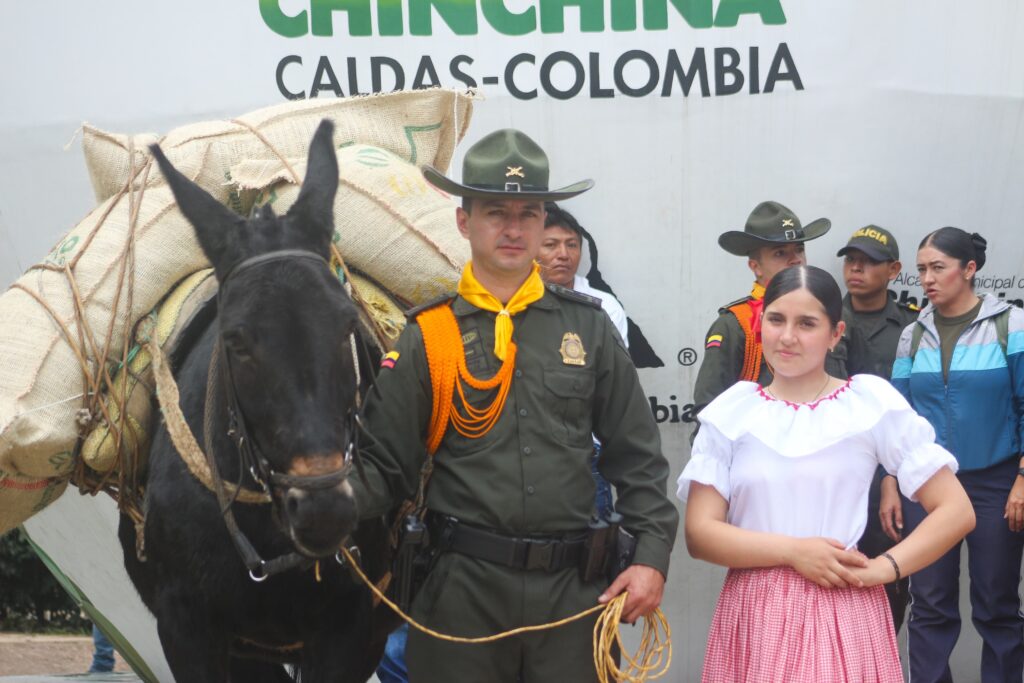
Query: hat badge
[787, 222]
[515, 171]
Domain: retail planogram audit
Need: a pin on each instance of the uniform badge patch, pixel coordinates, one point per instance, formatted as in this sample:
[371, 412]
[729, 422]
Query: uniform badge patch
[389, 360]
[713, 342]
[572, 349]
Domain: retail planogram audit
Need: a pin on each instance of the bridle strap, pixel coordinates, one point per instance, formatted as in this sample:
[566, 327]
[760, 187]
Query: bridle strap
[259, 569]
[311, 483]
[277, 255]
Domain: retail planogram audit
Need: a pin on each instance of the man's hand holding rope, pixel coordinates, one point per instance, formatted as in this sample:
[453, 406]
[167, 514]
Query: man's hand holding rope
[645, 586]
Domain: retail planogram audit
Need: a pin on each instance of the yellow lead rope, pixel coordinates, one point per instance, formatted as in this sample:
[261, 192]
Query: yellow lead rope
[651, 660]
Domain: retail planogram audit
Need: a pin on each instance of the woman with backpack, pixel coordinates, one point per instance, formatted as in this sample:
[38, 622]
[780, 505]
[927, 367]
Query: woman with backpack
[961, 366]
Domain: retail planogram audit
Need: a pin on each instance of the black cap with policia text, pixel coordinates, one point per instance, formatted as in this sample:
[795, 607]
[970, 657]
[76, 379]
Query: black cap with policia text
[878, 243]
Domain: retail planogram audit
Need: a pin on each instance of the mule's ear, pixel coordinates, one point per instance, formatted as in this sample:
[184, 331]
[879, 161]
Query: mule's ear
[216, 226]
[313, 211]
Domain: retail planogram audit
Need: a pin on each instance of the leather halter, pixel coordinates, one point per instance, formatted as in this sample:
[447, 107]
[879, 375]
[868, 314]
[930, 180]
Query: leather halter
[250, 456]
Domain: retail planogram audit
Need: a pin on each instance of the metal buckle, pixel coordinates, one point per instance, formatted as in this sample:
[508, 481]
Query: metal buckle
[540, 554]
[513, 187]
[793, 235]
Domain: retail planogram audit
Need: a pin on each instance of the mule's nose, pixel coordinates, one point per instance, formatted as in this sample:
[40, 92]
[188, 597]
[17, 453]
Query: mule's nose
[319, 521]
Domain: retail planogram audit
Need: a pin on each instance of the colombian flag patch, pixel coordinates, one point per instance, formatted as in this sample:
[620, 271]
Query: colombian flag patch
[389, 360]
[713, 342]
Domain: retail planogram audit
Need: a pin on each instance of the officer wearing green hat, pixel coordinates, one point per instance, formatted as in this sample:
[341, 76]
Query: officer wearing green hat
[772, 240]
[522, 374]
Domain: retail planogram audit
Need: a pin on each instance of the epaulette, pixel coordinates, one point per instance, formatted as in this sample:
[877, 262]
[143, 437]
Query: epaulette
[416, 310]
[573, 295]
[741, 300]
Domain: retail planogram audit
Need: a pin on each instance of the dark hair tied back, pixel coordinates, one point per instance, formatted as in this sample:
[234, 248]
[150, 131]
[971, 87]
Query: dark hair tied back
[980, 245]
[958, 244]
[818, 282]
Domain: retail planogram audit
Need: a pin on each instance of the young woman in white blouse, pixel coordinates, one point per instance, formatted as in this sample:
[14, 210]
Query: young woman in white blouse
[777, 488]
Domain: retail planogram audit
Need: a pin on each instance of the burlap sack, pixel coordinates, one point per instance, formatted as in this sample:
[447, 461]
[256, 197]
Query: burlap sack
[389, 222]
[44, 337]
[22, 497]
[378, 310]
[420, 126]
[55, 329]
[134, 384]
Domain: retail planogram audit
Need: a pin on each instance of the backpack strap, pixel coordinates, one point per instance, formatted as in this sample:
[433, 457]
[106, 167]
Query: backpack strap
[915, 339]
[1003, 329]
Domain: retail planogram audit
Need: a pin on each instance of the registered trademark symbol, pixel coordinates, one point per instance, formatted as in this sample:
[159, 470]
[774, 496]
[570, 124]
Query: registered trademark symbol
[687, 356]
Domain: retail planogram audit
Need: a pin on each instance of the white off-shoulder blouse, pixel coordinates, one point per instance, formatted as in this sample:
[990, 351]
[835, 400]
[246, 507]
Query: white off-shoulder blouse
[804, 469]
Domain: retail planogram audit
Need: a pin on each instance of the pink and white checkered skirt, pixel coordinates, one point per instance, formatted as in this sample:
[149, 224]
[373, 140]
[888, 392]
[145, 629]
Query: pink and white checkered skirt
[775, 625]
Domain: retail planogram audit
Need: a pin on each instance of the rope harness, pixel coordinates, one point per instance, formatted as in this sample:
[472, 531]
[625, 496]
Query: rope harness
[122, 481]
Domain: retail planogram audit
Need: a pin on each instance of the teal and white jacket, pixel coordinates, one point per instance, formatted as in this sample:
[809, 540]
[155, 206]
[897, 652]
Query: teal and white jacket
[978, 415]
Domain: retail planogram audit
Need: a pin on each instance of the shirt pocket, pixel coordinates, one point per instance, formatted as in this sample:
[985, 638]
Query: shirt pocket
[569, 395]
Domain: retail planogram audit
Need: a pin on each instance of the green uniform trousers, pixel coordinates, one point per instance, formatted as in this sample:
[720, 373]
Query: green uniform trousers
[464, 596]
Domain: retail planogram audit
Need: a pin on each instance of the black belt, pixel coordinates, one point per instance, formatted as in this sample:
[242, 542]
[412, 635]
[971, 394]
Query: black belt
[544, 553]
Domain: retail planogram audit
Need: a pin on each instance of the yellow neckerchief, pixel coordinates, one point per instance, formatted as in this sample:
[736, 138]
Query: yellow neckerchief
[475, 293]
[446, 359]
[758, 291]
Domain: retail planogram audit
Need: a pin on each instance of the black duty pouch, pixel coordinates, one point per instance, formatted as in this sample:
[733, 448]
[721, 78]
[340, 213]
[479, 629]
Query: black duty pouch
[597, 550]
[413, 560]
[625, 550]
[608, 550]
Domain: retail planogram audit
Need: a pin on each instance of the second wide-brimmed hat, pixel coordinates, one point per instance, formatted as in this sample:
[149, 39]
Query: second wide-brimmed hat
[505, 164]
[771, 223]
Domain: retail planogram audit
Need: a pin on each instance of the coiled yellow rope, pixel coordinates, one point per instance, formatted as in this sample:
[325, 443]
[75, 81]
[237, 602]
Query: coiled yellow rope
[651, 660]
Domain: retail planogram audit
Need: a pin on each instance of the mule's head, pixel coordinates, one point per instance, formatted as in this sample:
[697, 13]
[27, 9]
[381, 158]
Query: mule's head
[286, 336]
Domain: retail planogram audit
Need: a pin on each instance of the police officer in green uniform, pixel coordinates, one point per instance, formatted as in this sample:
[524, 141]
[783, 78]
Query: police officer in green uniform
[772, 240]
[536, 370]
[874, 321]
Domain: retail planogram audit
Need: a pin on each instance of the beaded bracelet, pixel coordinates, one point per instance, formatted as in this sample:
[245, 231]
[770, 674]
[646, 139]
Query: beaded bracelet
[895, 566]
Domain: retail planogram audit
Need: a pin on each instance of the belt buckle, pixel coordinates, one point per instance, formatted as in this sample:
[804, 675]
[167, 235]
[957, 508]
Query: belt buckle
[540, 554]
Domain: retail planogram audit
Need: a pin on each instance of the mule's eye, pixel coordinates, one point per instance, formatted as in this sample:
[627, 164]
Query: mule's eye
[238, 342]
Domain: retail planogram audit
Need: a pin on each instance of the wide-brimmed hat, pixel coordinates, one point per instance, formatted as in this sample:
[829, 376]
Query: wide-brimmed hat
[771, 223]
[506, 163]
[878, 243]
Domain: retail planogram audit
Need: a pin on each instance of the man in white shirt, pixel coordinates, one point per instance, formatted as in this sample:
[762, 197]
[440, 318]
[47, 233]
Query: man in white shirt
[559, 258]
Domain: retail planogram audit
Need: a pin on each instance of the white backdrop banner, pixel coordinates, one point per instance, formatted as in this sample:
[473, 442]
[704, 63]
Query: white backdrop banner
[687, 113]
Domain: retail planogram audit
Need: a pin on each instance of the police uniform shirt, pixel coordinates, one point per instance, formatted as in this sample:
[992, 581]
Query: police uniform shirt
[530, 474]
[872, 337]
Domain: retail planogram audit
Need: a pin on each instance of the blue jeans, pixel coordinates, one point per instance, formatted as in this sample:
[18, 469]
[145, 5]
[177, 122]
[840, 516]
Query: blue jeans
[994, 558]
[103, 652]
[392, 666]
[603, 493]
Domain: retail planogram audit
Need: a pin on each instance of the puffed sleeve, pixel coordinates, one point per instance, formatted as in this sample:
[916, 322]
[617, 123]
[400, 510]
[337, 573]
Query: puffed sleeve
[710, 460]
[906, 448]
